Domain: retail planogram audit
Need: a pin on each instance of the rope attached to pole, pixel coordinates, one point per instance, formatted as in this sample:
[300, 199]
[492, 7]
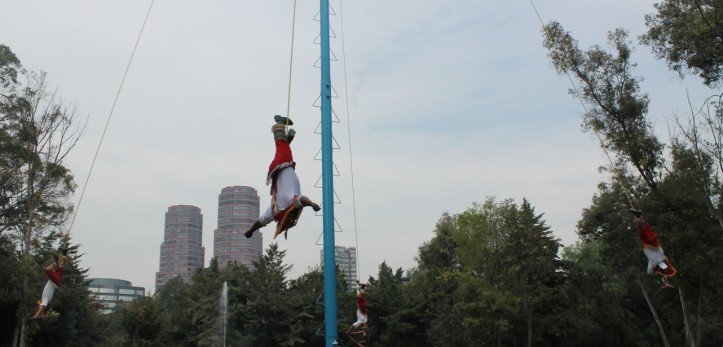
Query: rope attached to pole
[291, 64]
[107, 122]
[348, 120]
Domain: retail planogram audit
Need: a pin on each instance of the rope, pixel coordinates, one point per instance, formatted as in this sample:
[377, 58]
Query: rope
[107, 122]
[351, 157]
[617, 174]
[291, 64]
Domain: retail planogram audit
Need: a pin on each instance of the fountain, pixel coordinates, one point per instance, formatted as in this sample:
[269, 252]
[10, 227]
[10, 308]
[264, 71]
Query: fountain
[223, 312]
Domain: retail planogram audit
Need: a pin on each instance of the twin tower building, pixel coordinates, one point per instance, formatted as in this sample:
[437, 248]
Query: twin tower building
[182, 250]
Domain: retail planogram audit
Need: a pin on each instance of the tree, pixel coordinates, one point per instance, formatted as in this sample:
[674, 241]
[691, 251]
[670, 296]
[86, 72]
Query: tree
[144, 323]
[388, 314]
[175, 298]
[37, 131]
[266, 318]
[688, 34]
[698, 152]
[615, 108]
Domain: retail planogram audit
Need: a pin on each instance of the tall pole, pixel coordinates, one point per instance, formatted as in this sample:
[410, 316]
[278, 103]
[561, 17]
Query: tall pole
[327, 177]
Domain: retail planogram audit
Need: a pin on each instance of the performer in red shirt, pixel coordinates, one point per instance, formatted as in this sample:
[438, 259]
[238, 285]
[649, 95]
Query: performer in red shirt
[361, 312]
[54, 271]
[658, 263]
[286, 199]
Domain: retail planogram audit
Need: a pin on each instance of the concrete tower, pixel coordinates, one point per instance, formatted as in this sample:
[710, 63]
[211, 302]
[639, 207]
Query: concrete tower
[238, 209]
[181, 250]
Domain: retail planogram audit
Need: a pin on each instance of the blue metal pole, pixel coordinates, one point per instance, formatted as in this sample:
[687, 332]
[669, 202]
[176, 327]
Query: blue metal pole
[327, 178]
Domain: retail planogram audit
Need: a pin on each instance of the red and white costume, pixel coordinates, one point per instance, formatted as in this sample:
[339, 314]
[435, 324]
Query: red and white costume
[55, 277]
[285, 186]
[653, 251]
[361, 311]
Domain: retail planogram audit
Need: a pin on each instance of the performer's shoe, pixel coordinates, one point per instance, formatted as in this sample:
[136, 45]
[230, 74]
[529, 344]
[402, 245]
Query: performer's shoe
[248, 234]
[282, 120]
[636, 213]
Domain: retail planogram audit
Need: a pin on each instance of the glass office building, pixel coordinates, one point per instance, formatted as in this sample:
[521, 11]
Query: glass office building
[113, 292]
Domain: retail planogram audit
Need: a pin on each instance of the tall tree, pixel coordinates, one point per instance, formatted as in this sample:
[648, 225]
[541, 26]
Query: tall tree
[688, 34]
[615, 108]
[37, 131]
[266, 319]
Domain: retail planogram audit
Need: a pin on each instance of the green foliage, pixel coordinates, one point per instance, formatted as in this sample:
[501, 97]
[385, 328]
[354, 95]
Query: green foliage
[144, 322]
[688, 35]
[615, 107]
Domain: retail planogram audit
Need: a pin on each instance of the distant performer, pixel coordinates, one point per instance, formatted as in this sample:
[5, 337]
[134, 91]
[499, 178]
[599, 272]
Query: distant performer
[658, 263]
[54, 271]
[286, 199]
[361, 312]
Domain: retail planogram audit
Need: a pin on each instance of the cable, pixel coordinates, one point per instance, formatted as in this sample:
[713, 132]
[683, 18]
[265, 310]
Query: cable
[291, 64]
[348, 120]
[107, 122]
[617, 175]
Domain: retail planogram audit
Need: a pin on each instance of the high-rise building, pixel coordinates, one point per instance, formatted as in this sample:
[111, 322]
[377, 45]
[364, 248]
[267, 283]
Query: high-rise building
[111, 292]
[181, 250]
[346, 262]
[238, 209]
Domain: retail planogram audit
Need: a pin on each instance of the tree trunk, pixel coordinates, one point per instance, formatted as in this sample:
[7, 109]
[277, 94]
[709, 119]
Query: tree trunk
[529, 329]
[697, 320]
[686, 318]
[16, 334]
[655, 314]
[26, 266]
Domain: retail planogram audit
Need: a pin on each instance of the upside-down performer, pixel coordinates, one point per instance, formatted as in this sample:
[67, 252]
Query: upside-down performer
[54, 271]
[361, 311]
[286, 199]
[658, 263]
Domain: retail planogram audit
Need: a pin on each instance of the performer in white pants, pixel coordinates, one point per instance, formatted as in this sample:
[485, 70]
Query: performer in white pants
[285, 187]
[54, 271]
[361, 311]
[658, 263]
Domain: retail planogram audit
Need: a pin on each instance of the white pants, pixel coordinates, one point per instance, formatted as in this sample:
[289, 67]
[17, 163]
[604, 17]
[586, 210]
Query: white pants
[655, 257]
[287, 187]
[360, 319]
[48, 293]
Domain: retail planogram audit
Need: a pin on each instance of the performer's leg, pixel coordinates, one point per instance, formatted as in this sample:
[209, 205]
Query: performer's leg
[254, 227]
[265, 219]
[360, 319]
[655, 256]
[47, 296]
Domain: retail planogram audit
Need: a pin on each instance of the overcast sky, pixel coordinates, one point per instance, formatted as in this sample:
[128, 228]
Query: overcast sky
[450, 102]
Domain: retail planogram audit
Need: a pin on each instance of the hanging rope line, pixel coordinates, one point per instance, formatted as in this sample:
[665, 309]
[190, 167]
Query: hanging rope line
[291, 64]
[107, 122]
[348, 121]
[617, 175]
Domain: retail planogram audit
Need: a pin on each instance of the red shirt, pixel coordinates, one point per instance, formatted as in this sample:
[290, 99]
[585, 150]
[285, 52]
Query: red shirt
[647, 235]
[282, 158]
[56, 276]
[361, 301]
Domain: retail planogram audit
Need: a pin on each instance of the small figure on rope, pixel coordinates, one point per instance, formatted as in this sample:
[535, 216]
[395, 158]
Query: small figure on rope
[360, 326]
[658, 263]
[54, 271]
[286, 199]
